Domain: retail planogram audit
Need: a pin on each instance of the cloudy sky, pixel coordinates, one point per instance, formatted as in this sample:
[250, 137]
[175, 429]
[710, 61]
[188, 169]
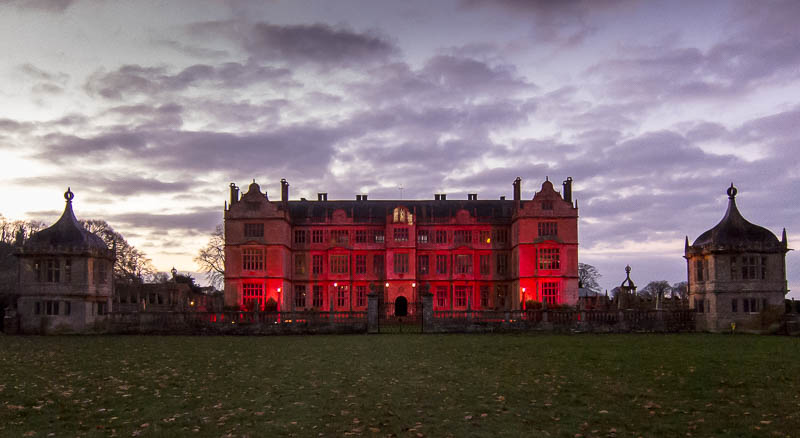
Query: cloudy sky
[149, 109]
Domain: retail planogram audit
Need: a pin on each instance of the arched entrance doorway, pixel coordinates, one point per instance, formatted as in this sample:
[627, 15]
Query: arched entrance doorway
[400, 306]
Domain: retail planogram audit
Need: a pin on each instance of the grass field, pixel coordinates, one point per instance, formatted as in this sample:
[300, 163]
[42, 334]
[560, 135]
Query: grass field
[401, 385]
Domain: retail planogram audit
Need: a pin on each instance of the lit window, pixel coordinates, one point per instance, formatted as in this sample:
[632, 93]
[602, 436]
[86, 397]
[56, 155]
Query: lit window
[401, 215]
[379, 236]
[485, 237]
[422, 236]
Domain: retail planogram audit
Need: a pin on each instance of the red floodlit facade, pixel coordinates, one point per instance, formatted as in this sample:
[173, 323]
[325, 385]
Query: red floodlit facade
[470, 254]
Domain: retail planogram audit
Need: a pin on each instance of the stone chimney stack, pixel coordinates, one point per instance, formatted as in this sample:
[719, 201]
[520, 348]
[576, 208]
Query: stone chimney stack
[517, 189]
[568, 190]
[234, 194]
[284, 190]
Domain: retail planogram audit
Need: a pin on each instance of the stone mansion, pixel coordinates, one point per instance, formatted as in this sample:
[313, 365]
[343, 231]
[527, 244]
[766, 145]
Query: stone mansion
[469, 253]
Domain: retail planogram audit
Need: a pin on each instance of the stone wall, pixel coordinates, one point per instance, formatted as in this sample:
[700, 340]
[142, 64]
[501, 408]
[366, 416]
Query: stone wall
[236, 323]
[569, 321]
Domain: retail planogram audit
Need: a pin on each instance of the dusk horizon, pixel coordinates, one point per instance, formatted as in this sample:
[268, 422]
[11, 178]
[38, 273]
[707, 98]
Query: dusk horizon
[148, 111]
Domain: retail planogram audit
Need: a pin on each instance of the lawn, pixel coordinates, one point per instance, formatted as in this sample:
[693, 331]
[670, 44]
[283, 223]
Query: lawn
[401, 385]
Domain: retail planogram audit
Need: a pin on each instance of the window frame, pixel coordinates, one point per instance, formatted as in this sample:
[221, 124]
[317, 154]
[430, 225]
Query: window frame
[253, 229]
[401, 263]
[550, 292]
[300, 296]
[441, 263]
[252, 259]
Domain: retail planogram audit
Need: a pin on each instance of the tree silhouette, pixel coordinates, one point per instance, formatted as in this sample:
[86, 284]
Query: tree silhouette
[211, 258]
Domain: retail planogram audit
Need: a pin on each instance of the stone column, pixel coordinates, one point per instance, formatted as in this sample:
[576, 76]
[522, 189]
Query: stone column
[372, 313]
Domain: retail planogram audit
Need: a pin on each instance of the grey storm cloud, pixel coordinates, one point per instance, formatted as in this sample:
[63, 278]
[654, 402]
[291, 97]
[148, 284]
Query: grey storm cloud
[443, 79]
[134, 79]
[317, 43]
[110, 186]
[34, 72]
[301, 148]
[760, 49]
[41, 5]
[199, 219]
[565, 22]
[67, 148]
[8, 125]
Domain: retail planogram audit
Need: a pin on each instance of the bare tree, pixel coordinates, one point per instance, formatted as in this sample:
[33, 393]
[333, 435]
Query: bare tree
[18, 232]
[681, 289]
[656, 290]
[588, 276]
[211, 258]
[132, 265]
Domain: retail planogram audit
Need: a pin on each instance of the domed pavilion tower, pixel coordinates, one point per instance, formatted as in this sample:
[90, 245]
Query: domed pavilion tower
[737, 274]
[65, 278]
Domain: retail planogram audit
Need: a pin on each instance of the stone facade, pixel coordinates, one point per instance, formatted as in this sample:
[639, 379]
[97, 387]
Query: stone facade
[737, 275]
[470, 254]
[65, 278]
